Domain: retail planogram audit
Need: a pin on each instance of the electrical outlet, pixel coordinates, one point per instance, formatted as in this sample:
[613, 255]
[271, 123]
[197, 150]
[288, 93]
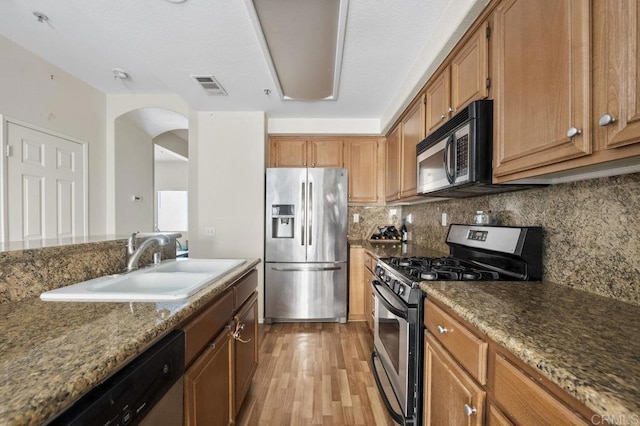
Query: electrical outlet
[409, 218]
[210, 231]
[444, 219]
[356, 218]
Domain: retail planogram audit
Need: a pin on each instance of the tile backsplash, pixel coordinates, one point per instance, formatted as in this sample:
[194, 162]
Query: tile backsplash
[592, 230]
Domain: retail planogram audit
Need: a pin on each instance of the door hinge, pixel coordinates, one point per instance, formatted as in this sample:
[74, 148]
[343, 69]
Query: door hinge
[488, 31]
[488, 82]
[8, 150]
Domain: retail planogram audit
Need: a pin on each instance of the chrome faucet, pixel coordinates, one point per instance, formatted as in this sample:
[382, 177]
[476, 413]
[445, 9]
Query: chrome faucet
[136, 253]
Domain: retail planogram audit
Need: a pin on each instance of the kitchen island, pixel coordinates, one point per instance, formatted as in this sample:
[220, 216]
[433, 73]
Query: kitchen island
[52, 353]
[585, 344]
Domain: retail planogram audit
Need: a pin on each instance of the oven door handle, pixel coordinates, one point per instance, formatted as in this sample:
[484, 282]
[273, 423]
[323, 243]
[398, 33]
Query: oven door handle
[395, 311]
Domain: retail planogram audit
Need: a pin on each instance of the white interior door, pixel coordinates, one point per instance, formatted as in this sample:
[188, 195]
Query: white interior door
[45, 185]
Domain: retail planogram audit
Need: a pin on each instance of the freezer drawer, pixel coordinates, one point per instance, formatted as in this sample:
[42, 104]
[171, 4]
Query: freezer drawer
[305, 292]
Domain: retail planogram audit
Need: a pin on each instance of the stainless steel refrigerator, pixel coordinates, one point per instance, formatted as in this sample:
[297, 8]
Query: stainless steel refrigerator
[306, 245]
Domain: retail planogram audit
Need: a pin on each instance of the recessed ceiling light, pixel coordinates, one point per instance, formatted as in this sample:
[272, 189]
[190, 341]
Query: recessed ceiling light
[41, 16]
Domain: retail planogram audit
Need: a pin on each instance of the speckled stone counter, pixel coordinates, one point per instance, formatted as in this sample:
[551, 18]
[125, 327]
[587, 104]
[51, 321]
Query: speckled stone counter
[51, 353]
[395, 249]
[587, 344]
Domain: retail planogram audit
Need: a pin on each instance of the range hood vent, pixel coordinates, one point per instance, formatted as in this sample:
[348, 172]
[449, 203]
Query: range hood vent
[210, 85]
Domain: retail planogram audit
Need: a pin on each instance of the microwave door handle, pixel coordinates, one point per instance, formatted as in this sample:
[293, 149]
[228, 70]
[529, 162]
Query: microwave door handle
[450, 176]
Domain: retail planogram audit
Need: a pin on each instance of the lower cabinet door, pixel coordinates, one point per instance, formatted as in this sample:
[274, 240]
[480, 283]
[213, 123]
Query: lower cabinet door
[208, 384]
[246, 349]
[451, 396]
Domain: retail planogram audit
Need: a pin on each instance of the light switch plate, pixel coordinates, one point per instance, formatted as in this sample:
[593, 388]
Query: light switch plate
[444, 219]
[210, 231]
[356, 218]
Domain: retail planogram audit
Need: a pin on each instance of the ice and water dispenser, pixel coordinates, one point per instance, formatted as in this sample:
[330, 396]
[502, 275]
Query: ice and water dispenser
[282, 220]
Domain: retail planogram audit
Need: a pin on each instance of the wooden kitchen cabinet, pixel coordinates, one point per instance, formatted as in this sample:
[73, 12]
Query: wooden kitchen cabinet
[463, 81]
[401, 153]
[463, 366]
[357, 311]
[208, 384]
[524, 401]
[361, 160]
[245, 338]
[451, 396]
[392, 187]
[616, 80]
[219, 365]
[541, 83]
[294, 151]
[369, 275]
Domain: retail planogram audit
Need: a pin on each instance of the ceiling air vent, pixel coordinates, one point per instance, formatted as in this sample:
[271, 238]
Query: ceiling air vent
[210, 85]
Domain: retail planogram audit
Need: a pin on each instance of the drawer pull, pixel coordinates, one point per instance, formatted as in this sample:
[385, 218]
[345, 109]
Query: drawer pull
[469, 410]
[442, 330]
[236, 333]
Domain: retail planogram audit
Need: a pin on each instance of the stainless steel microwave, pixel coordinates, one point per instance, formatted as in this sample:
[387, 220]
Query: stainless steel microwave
[455, 160]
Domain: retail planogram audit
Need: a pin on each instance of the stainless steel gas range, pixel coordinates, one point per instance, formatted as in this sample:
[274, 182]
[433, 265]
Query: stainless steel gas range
[477, 253]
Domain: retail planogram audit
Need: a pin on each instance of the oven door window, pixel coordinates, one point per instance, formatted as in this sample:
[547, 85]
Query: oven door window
[391, 337]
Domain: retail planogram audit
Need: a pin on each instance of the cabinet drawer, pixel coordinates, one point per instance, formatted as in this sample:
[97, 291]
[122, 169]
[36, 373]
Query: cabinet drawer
[369, 261]
[526, 402]
[468, 349]
[244, 288]
[205, 326]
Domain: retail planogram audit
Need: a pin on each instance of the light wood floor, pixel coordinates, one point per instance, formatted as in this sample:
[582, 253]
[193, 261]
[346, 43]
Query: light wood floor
[314, 374]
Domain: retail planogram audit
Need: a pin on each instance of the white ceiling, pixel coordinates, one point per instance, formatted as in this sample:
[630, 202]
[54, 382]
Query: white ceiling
[161, 44]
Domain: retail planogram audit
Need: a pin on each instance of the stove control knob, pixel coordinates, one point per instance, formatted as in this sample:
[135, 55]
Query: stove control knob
[401, 290]
[387, 279]
[394, 286]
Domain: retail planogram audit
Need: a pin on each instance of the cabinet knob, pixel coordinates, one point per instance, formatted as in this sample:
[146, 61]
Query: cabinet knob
[442, 330]
[443, 116]
[313, 164]
[573, 132]
[450, 109]
[606, 119]
[469, 410]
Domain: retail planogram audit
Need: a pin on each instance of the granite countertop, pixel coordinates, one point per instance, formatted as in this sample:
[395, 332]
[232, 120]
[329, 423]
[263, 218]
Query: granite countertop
[51, 353]
[587, 344]
[395, 249]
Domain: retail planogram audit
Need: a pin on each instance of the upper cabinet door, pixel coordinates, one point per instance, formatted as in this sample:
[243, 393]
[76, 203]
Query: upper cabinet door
[438, 101]
[361, 159]
[288, 152]
[325, 153]
[617, 79]
[412, 133]
[541, 68]
[470, 71]
[392, 187]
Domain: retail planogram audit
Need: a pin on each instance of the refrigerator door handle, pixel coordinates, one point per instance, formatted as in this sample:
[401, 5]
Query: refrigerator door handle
[310, 210]
[320, 268]
[304, 214]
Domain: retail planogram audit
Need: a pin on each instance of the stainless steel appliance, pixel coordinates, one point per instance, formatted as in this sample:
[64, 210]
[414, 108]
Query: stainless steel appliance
[477, 253]
[147, 391]
[455, 160]
[306, 245]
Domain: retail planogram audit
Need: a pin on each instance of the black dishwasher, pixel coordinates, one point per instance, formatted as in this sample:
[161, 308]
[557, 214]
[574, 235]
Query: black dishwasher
[150, 385]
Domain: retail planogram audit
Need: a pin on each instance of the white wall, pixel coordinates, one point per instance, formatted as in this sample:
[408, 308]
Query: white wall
[172, 175]
[118, 105]
[36, 92]
[134, 176]
[226, 191]
[173, 143]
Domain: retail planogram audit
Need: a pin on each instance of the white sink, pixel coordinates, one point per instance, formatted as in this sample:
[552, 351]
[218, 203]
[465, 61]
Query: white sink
[211, 266]
[171, 280]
